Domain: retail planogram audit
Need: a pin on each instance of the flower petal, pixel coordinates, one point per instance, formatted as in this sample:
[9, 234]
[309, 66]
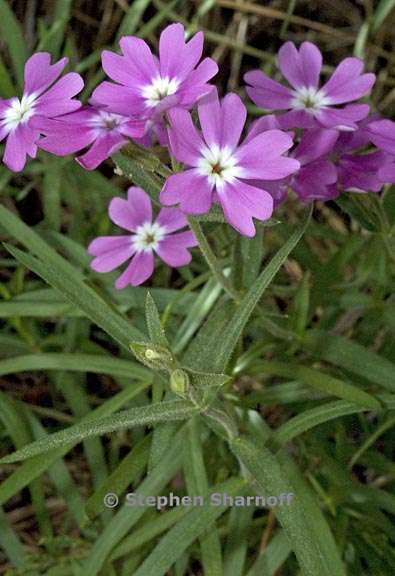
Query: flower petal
[20, 143]
[104, 145]
[342, 118]
[119, 99]
[59, 100]
[314, 144]
[300, 68]
[195, 85]
[185, 141]
[174, 249]
[261, 157]
[241, 202]
[61, 137]
[188, 189]
[234, 115]
[347, 83]
[133, 212]
[177, 59]
[209, 112]
[387, 173]
[267, 93]
[141, 64]
[313, 180]
[268, 122]
[172, 219]
[382, 134]
[40, 74]
[138, 271]
[110, 252]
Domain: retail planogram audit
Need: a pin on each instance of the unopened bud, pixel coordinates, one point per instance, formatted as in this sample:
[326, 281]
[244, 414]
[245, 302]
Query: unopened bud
[179, 382]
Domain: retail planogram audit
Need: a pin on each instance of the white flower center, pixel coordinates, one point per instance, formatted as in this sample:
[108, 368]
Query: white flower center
[19, 111]
[159, 89]
[107, 120]
[310, 99]
[148, 236]
[219, 165]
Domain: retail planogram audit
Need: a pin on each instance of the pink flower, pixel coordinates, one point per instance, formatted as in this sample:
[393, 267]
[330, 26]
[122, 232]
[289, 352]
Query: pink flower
[146, 85]
[105, 131]
[146, 238]
[310, 105]
[220, 167]
[44, 97]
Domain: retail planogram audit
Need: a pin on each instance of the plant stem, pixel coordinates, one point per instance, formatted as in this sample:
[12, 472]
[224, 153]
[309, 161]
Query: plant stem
[211, 259]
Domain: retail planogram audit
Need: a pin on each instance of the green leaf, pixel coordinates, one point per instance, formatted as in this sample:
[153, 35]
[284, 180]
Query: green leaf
[320, 381]
[197, 484]
[10, 542]
[12, 36]
[140, 177]
[151, 529]
[34, 467]
[225, 345]
[195, 523]
[160, 412]
[75, 362]
[382, 11]
[132, 18]
[154, 325]
[7, 89]
[124, 475]
[128, 516]
[196, 312]
[58, 272]
[269, 562]
[351, 356]
[355, 207]
[79, 293]
[236, 547]
[302, 521]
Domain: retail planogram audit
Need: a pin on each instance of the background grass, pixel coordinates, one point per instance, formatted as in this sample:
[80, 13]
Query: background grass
[316, 359]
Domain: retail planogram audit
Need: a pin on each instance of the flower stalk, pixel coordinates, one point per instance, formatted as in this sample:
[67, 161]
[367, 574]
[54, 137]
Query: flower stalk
[211, 259]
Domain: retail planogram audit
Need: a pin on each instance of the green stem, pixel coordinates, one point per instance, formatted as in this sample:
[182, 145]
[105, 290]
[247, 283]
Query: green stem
[211, 259]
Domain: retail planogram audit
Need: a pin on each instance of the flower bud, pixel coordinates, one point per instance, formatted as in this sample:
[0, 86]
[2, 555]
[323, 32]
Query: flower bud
[179, 382]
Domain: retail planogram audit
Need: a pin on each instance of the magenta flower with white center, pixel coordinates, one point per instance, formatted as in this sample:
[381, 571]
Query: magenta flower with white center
[44, 97]
[146, 238]
[146, 85]
[105, 131]
[307, 103]
[219, 167]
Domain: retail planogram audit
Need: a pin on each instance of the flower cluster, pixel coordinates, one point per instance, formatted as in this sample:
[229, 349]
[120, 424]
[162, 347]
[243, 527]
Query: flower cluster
[316, 139]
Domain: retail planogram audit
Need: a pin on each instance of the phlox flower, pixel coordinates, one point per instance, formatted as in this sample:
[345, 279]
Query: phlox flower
[147, 85]
[146, 238]
[307, 103]
[44, 97]
[219, 168]
[105, 131]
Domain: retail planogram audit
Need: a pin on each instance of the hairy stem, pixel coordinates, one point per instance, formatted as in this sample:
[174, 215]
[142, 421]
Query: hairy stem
[211, 259]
